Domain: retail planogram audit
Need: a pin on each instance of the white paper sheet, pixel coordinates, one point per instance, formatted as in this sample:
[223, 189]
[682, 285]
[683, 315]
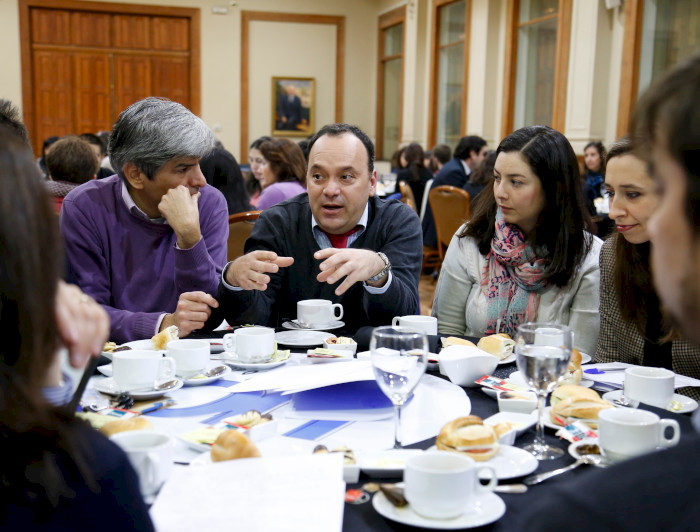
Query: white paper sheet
[304, 494]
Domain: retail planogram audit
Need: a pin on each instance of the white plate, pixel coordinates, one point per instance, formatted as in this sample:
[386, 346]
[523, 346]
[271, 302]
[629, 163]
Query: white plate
[207, 380]
[520, 422]
[385, 464]
[547, 421]
[687, 404]
[294, 326]
[510, 358]
[509, 462]
[145, 345]
[300, 338]
[203, 459]
[488, 509]
[252, 365]
[585, 358]
[109, 387]
[105, 369]
[518, 379]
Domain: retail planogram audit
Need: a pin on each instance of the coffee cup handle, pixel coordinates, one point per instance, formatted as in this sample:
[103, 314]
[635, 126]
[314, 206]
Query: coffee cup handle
[338, 307]
[166, 369]
[396, 321]
[229, 342]
[673, 440]
[493, 480]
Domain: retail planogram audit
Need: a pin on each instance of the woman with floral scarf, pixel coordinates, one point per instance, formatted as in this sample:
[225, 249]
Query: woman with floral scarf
[525, 255]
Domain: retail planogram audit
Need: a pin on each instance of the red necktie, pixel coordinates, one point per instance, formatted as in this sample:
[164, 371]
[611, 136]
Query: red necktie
[341, 241]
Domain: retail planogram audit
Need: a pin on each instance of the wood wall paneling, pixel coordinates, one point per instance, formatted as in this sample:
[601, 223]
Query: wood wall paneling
[132, 31]
[165, 69]
[171, 33]
[631, 49]
[92, 92]
[53, 95]
[91, 29]
[132, 79]
[50, 26]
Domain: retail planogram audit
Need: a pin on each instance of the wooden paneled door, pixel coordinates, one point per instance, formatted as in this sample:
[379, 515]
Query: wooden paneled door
[85, 62]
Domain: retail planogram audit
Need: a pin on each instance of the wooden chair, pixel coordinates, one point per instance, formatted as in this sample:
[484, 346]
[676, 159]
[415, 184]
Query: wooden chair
[239, 227]
[451, 208]
[407, 196]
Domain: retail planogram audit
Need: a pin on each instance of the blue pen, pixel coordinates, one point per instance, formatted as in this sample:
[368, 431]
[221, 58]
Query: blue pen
[157, 406]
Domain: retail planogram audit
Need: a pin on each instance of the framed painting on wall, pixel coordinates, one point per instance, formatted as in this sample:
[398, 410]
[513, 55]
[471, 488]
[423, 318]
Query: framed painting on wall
[293, 102]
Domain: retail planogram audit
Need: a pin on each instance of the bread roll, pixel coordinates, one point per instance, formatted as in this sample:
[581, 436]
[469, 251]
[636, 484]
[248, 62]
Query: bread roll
[123, 425]
[453, 340]
[575, 372]
[160, 340]
[470, 436]
[231, 445]
[576, 403]
[499, 345]
[569, 391]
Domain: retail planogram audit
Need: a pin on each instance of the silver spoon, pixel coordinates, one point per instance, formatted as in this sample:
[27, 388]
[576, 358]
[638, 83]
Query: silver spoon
[586, 459]
[163, 386]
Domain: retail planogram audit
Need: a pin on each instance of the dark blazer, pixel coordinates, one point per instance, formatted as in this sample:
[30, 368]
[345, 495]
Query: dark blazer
[289, 108]
[452, 174]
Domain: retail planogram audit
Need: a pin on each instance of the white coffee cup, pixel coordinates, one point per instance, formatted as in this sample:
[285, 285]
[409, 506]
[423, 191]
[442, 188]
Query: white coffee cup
[442, 485]
[318, 312]
[424, 324]
[150, 454]
[251, 344]
[627, 432]
[653, 386]
[141, 369]
[191, 356]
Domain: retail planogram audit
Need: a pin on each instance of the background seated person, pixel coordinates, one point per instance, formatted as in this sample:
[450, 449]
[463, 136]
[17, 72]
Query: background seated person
[137, 240]
[221, 171]
[633, 328]
[71, 162]
[325, 244]
[414, 172]
[524, 256]
[58, 473]
[283, 172]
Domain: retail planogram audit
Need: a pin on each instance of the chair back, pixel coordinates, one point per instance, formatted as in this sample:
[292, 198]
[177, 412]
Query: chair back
[407, 196]
[239, 227]
[424, 201]
[450, 206]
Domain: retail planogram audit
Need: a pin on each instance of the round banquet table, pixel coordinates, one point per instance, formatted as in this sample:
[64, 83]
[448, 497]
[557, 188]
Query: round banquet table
[363, 517]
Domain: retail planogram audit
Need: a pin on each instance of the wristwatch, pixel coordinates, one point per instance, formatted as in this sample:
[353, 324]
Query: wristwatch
[385, 271]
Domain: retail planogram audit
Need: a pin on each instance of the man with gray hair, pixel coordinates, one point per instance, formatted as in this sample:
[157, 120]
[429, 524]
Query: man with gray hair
[137, 240]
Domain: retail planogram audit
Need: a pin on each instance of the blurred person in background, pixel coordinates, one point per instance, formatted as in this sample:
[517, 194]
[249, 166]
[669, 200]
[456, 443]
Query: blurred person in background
[256, 162]
[283, 174]
[221, 171]
[414, 173]
[71, 162]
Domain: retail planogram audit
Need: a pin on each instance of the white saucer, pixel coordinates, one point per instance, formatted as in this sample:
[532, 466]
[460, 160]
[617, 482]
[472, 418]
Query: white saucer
[509, 462]
[489, 508]
[518, 379]
[109, 386]
[547, 421]
[295, 326]
[585, 358]
[252, 365]
[509, 359]
[207, 380]
[143, 345]
[301, 337]
[687, 404]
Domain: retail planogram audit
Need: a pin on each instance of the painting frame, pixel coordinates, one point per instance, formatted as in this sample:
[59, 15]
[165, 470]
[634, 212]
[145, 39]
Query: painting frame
[293, 105]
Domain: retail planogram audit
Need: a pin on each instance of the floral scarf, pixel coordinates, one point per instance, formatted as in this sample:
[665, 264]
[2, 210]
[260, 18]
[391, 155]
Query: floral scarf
[511, 280]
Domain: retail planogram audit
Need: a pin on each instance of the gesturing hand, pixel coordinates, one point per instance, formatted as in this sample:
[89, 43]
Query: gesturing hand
[353, 264]
[250, 271]
[82, 323]
[193, 310]
[181, 210]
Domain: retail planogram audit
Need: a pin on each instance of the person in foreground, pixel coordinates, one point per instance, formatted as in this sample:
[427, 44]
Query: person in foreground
[58, 473]
[339, 243]
[633, 328]
[657, 491]
[524, 256]
[137, 240]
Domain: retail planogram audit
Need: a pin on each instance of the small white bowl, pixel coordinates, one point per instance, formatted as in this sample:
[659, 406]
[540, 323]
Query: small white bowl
[352, 348]
[519, 402]
[464, 364]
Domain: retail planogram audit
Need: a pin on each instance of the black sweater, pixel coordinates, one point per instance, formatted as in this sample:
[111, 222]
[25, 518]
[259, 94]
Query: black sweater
[285, 228]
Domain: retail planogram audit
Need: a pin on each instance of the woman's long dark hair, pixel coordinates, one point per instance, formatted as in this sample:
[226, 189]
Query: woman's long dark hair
[414, 155]
[221, 170]
[31, 261]
[286, 160]
[634, 285]
[559, 234]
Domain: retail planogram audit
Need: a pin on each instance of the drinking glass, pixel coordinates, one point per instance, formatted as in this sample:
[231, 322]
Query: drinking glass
[399, 357]
[543, 352]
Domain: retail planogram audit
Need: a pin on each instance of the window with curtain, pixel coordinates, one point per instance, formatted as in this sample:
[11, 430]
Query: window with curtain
[538, 22]
[450, 72]
[390, 89]
[670, 34]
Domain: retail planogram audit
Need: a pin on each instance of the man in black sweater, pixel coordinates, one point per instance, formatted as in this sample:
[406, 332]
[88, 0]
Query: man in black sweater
[338, 242]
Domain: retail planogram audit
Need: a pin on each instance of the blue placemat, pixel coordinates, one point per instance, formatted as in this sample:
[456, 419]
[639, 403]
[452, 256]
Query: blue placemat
[235, 403]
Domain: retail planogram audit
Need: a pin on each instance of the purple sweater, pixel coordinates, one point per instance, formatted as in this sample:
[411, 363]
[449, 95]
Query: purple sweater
[131, 265]
[278, 192]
